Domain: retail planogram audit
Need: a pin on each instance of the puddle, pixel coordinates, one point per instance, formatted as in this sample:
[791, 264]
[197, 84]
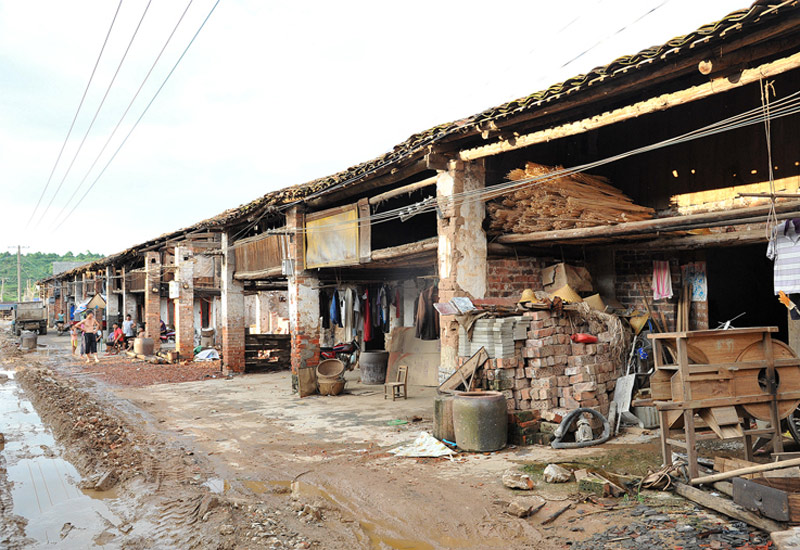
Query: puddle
[373, 532]
[44, 486]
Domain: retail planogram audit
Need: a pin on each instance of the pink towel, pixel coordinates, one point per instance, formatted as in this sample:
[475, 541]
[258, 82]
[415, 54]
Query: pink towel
[662, 280]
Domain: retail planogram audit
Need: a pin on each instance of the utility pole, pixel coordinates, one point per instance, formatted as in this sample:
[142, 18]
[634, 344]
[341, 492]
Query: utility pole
[19, 271]
[2, 289]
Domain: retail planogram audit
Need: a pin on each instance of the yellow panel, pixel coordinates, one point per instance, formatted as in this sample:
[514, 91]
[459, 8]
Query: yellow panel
[332, 240]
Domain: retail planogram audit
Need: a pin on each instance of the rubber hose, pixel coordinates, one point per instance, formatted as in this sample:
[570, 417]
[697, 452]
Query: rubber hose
[565, 424]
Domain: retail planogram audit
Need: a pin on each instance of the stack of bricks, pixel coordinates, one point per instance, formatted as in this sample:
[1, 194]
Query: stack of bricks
[549, 375]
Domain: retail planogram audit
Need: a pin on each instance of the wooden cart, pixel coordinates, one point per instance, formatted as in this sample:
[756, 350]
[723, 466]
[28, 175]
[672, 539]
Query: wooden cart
[729, 378]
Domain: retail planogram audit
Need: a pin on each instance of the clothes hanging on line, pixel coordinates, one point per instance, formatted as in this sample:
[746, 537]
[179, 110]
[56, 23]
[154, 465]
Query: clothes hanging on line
[383, 308]
[784, 250]
[427, 319]
[324, 309]
[662, 280]
[367, 317]
[336, 312]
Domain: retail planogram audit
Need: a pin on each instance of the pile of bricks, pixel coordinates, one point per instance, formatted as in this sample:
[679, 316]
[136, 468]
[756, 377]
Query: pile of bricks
[548, 375]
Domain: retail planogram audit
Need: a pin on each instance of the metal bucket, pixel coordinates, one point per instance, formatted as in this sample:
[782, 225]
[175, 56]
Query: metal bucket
[28, 341]
[373, 366]
[480, 421]
[143, 346]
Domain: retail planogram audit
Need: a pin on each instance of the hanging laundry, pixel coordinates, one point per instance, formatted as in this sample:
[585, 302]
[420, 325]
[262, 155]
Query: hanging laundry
[397, 302]
[375, 305]
[427, 319]
[662, 280]
[367, 317]
[347, 312]
[785, 252]
[324, 309]
[357, 321]
[336, 313]
[383, 306]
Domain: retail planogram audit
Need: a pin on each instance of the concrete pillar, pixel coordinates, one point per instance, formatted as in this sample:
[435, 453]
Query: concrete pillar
[128, 299]
[232, 302]
[152, 297]
[78, 288]
[184, 305]
[462, 249]
[304, 325]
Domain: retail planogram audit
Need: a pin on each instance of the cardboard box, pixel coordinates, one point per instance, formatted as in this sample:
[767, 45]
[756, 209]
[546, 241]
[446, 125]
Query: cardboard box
[559, 275]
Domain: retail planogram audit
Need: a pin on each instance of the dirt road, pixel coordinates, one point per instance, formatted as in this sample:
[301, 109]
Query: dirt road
[243, 463]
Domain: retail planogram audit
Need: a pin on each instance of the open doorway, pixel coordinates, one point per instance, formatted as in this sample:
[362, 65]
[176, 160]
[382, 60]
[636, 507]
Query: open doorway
[740, 280]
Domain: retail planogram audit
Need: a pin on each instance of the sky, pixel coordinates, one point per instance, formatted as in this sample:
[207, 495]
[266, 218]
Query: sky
[270, 94]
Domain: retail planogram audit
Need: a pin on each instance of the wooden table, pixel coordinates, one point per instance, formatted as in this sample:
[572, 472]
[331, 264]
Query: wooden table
[728, 378]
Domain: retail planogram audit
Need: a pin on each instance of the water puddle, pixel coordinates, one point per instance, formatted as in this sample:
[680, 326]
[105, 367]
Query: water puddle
[44, 486]
[373, 532]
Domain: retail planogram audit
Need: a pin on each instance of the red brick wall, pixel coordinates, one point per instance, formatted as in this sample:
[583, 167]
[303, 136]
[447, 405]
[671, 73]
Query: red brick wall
[508, 277]
[152, 300]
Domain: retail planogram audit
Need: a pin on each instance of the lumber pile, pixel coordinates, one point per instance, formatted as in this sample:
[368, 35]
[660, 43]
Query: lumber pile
[561, 202]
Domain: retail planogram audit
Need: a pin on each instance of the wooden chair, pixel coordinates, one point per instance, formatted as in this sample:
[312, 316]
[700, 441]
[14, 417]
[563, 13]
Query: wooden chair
[399, 387]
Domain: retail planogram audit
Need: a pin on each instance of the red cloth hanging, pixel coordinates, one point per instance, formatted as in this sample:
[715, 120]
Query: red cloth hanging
[367, 318]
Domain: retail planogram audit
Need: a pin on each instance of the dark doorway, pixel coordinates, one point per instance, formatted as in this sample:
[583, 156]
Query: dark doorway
[740, 280]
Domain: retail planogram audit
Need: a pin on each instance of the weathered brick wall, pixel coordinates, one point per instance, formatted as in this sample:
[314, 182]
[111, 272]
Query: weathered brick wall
[152, 300]
[231, 312]
[508, 277]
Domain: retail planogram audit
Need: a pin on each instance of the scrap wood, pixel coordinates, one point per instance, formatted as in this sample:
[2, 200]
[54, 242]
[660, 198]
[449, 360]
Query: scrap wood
[552, 517]
[464, 371]
[560, 202]
[727, 507]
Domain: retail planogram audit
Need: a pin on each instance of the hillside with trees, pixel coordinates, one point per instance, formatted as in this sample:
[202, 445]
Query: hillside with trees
[34, 266]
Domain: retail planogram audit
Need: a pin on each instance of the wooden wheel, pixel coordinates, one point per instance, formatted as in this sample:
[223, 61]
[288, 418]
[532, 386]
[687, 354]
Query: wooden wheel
[752, 381]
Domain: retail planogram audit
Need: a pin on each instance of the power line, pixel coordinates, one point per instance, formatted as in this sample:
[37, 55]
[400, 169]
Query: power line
[74, 118]
[138, 120]
[119, 123]
[97, 112]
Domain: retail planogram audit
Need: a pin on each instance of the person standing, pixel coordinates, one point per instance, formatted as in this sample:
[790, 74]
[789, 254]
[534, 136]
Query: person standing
[74, 336]
[90, 326]
[127, 328]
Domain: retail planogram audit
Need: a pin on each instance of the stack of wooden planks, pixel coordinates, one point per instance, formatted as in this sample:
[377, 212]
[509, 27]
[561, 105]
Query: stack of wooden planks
[575, 200]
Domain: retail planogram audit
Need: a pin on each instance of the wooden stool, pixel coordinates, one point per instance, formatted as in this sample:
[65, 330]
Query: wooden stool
[399, 387]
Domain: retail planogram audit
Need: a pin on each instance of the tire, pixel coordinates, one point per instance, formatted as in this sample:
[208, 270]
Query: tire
[793, 423]
[42, 330]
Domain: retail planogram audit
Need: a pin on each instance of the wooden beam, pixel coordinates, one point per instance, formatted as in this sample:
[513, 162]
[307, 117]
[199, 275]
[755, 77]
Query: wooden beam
[437, 161]
[404, 250]
[689, 242]
[675, 223]
[410, 188]
[748, 470]
[727, 507]
[258, 275]
[659, 103]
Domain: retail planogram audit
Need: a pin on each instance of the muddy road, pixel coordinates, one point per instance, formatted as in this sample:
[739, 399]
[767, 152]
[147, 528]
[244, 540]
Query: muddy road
[242, 463]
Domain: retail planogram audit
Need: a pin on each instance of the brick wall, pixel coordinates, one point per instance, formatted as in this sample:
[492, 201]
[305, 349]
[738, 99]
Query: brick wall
[508, 277]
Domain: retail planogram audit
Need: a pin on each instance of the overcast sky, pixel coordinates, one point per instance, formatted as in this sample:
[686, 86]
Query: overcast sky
[270, 94]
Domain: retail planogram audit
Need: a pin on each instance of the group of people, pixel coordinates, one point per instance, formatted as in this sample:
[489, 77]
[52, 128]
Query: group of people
[86, 334]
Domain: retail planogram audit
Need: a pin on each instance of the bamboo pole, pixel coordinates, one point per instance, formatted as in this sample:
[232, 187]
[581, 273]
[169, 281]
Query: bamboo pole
[749, 470]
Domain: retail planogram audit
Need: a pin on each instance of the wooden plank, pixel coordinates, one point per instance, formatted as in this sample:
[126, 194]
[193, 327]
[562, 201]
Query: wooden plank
[747, 470]
[464, 371]
[650, 227]
[727, 507]
[724, 421]
[405, 250]
[652, 105]
[762, 499]
[739, 400]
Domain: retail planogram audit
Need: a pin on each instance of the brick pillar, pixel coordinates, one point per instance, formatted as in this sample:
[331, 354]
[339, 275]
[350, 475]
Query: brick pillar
[232, 298]
[304, 325]
[128, 299]
[152, 297]
[462, 249]
[184, 305]
[112, 303]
